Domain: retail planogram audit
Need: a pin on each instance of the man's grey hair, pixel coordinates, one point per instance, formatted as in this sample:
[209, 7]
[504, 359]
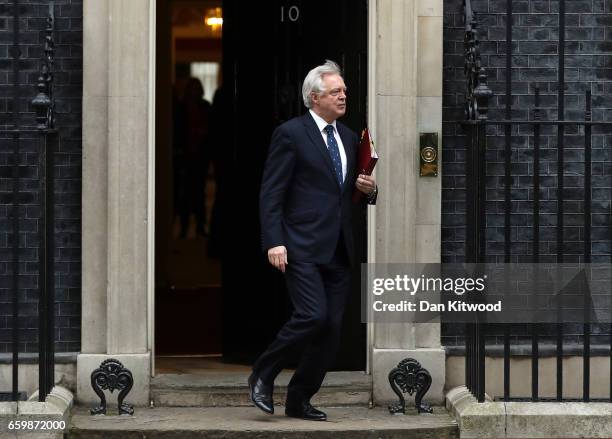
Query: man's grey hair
[313, 83]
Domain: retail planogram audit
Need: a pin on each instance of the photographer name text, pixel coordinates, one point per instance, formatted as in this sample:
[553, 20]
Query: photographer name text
[425, 306]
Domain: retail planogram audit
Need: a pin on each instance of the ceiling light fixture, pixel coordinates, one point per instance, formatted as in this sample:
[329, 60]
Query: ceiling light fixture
[214, 18]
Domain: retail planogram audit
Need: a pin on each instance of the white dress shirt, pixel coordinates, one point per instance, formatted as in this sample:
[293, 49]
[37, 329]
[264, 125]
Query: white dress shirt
[322, 124]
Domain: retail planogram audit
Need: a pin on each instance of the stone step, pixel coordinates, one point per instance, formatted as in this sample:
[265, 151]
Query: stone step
[242, 423]
[229, 389]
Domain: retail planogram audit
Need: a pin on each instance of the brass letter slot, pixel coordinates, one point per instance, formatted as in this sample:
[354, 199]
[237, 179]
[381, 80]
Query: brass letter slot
[429, 154]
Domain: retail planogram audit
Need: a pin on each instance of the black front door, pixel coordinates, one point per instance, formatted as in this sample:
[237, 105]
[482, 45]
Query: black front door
[268, 47]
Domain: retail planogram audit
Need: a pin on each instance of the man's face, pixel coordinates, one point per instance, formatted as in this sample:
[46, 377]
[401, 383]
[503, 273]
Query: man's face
[331, 103]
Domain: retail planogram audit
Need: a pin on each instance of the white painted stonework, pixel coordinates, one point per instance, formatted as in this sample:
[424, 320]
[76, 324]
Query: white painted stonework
[117, 36]
[407, 90]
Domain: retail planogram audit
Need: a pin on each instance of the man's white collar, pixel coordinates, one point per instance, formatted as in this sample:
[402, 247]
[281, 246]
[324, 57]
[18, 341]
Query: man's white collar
[321, 124]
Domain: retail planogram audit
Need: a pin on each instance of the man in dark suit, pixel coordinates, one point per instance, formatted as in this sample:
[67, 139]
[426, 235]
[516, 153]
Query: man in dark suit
[305, 212]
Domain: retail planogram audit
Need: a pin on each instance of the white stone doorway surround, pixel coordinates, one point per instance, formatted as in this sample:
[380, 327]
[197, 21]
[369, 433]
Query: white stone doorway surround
[405, 98]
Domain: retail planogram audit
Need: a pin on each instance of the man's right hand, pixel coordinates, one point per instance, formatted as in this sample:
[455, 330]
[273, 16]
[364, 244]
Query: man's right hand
[278, 257]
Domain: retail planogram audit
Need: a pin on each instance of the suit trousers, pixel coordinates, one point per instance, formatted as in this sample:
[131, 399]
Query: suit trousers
[318, 293]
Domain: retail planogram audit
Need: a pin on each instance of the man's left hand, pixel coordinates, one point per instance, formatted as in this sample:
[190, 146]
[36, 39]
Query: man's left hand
[366, 184]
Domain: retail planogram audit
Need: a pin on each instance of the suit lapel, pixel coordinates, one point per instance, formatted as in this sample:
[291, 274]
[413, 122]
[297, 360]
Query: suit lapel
[317, 139]
[348, 150]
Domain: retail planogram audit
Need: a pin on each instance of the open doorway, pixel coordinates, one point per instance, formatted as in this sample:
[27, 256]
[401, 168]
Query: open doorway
[217, 299]
[188, 272]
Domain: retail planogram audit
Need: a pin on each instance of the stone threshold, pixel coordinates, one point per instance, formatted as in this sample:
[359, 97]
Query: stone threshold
[229, 388]
[499, 419]
[239, 422]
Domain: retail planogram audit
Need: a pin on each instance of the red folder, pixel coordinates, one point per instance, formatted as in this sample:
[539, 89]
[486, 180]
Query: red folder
[366, 159]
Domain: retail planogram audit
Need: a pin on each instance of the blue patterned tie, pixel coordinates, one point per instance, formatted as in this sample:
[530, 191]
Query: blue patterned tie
[334, 152]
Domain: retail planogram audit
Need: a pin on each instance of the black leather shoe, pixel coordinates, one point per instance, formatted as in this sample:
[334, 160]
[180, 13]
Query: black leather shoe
[305, 411]
[261, 394]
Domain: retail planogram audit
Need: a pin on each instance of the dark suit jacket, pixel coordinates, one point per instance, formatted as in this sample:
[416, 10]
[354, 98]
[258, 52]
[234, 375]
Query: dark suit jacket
[302, 206]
